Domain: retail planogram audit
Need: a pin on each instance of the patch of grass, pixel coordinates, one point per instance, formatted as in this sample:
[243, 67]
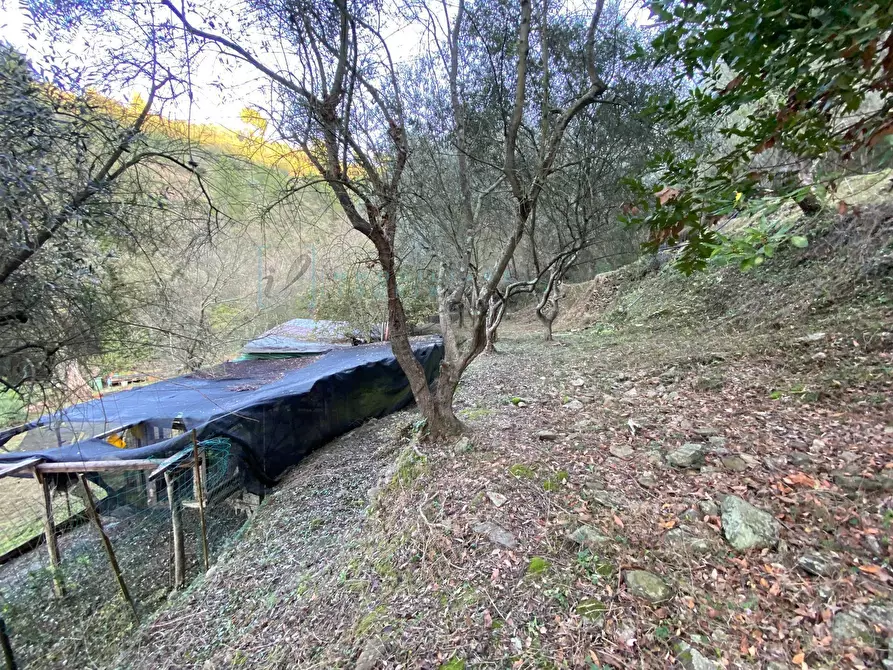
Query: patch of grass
[537, 566]
[371, 620]
[410, 466]
[554, 483]
[475, 413]
[454, 664]
[522, 471]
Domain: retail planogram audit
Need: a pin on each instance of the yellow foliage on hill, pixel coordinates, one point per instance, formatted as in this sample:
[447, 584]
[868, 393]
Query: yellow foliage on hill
[250, 145]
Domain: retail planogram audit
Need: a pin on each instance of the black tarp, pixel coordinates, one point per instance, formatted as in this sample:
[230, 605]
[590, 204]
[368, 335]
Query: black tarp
[272, 425]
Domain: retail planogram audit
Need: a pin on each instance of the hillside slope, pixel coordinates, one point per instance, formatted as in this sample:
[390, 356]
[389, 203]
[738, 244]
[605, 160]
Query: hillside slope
[591, 519]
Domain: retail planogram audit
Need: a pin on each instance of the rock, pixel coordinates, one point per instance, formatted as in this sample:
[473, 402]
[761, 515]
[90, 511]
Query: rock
[775, 462]
[817, 445]
[669, 375]
[679, 539]
[497, 499]
[873, 545]
[707, 431]
[799, 459]
[573, 405]
[708, 507]
[812, 337]
[847, 628]
[496, 534]
[578, 382]
[747, 527]
[647, 480]
[819, 356]
[848, 456]
[734, 463]
[631, 393]
[691, 659]
[877, 614]
[687, 456]
[591, 608]
[690, 515]
[588, 537]
[373, 651]
[622, 451]
[647, 585]
[547, 435]
[463, 445]
[607, 499]
[858, 483]
[818, 565]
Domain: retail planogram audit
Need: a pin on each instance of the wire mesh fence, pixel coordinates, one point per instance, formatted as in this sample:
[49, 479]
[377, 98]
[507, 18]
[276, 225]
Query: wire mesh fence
[72, 614]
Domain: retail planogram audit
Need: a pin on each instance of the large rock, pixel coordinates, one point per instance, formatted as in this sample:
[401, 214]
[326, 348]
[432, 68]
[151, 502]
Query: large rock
[647, 585]
[687, 456]
[496, 534]
[847, 628]
[818, 565]
[679, 539]
[691, 659]
[588, 537]
[747, 527]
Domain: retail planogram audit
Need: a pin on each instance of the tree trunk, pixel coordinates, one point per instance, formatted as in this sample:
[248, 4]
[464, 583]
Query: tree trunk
[547, 324]
[442, 422]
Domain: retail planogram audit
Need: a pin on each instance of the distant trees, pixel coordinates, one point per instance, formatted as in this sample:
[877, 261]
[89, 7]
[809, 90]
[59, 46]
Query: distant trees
[788, 98]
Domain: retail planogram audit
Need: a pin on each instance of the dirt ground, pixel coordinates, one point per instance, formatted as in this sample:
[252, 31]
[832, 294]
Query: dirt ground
[383, 550]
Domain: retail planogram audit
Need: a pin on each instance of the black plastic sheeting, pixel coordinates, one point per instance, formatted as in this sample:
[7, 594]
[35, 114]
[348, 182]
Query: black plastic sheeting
[271, 426]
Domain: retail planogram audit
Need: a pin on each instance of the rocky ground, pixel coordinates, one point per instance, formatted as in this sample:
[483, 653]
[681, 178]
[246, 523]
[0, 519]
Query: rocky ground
[698, 474]
[636, 499]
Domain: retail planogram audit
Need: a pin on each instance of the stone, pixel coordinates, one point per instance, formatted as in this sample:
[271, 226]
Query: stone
[847, 628]
[647, 585]
[747, 527]
[496, 534]
[687, 456]
[716, 441]
[588, 536]
[690, 515]
[877, 614]
[606, 499]
[707, 431]
[680, 539]
[734, 463]
[622, 451]
[373, 651]
[848, 456]
[812, 337]
[463, 445]
[775, 462]
[578, 382]
[818, 565]
[873, 545]
[497, 499]
[708, 507]
[647, 480]
[858, 483]
[574, 405]
[799, 459]
[547, 435]
[691, 659]
[591, 608]
[631, 393]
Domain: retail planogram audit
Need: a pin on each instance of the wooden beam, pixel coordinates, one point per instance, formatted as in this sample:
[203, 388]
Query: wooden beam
[199, 479]
[177, 460]
[109, 550]
[15, 468]
[177, 531]
[112, 431]
[49, 529]
[8, 657]
[97, 466]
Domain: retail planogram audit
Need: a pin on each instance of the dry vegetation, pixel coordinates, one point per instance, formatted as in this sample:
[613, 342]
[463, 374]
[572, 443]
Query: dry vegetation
[460, 556]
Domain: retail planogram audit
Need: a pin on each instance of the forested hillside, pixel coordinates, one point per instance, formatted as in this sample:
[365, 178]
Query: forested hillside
[649, 245]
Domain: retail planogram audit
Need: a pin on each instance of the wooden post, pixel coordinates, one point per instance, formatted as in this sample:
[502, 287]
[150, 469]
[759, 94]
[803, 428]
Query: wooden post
[200, 497]
[177, 529]
[7, 647]
[49, 531]
[91, 510]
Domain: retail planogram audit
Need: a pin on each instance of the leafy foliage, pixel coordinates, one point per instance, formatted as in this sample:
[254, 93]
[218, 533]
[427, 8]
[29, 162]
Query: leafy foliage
[778, 86]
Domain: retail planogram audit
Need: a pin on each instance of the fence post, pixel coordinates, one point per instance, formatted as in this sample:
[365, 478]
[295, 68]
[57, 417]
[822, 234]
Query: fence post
[110, 552]
[7, 647]
[49, 530]
[199, 479]
[177, 530]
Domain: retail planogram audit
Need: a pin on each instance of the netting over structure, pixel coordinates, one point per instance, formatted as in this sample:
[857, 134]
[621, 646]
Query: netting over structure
[161, 458]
